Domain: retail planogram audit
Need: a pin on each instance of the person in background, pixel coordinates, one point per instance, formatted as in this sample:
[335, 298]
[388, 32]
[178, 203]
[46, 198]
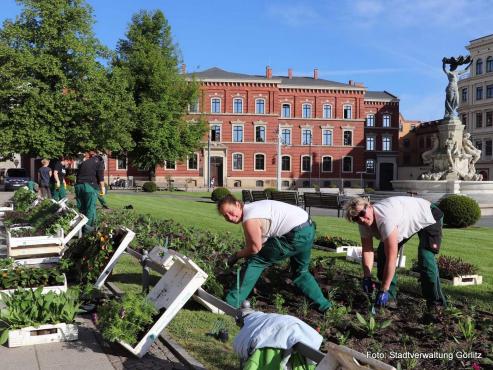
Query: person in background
[58, 185]
[273, 232]
[89, 180]
[101, 198]
[44, 175]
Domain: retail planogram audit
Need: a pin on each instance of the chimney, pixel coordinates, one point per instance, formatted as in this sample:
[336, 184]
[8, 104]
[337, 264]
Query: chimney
[315, 74]
[268, 72]
[183, 68]
[351, 82]
[290, 73]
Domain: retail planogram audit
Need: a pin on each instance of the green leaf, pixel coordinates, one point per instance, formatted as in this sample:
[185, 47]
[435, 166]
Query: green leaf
[360, 318]
[4, 336]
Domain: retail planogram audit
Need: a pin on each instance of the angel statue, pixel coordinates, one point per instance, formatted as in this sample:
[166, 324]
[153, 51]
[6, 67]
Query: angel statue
[452, 90]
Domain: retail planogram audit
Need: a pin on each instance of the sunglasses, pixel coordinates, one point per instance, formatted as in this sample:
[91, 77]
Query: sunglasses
[360, 214]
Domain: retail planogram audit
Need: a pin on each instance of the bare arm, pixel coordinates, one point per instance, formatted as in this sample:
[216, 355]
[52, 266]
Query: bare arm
[391, 249]
[253, 236]
[368, 255]
[55, 175]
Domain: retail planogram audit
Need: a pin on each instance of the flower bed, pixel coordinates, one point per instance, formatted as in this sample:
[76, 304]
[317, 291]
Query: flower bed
[454, 271]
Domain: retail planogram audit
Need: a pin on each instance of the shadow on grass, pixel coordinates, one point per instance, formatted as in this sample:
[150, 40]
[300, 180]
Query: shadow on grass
[133, 278]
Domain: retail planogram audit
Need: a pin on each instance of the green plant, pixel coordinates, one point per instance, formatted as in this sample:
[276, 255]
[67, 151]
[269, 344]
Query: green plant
[333, 242]
[459, 210]
[149, 186]
[279, 303]
[23, 199]
[335, 315]
[450, 267]
[371, 326]
[219, 193]
[123, 320]
[342, 338]
[467, 328]
[33, 308]
[27, 277]
[269, 191]
[369, 190]
[6, 263]
[304, 308]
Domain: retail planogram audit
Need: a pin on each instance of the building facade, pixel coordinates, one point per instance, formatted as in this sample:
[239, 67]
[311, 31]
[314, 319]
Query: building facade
[476, 102]
[331, 134]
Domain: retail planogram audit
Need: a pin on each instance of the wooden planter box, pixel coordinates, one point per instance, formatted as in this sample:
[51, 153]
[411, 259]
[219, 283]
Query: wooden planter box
[114, 259]
[341, 249]
[355, 254]
[48, 333]
[341, 357]
[457, 280]
[6, 209]
[173, 290]
[54, 288]
[42, 261]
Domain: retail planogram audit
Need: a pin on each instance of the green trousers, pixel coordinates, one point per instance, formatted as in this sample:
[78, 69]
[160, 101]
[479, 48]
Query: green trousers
[102, 200]
[296, 246]
[272, 358]
[86, 201]
[430, 279]
[58, 194]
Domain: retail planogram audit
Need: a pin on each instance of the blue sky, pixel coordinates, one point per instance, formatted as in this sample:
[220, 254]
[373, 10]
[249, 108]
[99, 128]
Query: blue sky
[393, 45]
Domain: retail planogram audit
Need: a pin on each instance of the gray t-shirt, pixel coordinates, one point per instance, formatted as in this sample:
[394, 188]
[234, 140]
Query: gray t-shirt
[44, 176]
[407, 214]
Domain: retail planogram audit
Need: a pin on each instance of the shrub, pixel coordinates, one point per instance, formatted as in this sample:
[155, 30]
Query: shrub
[219, 193]
[369, 190]
[269, 191]
[334, 241]
[23, 198]
[459, 211]
[450, 267]
[149, 187]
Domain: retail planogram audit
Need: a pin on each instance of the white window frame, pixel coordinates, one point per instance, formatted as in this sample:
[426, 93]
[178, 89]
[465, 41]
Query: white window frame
[366, 143]
[352, 137]
[282, 110]
[290, 135]
[188, 163]
[352, 164]
[118, 168]
[301, 163]
[331, 136]
[255, 162]
[290, 162]
[311, 136]
[220, 131]
[330, 111]
[256, 100]
[166, 166]
[303, 110]
[194, 103]
[234, 99]
[350, 111]
[233, 132]
[372, 120]
[220, 104]
[389, 118]
[255, 133]
[374, 166]
[331, 164]
[390, 143]
[233, 161]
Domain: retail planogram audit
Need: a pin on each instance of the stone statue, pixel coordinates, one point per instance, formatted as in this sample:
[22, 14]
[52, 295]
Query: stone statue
[470, 149]
[452, 152]
[428, 155]
[452, 90]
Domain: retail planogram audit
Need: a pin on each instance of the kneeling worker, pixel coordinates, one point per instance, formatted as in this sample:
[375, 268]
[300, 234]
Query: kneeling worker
[273, 231]
[394, 221]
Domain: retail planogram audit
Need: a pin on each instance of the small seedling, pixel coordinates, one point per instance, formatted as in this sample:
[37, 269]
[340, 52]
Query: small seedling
[279, 303]
[371, 326]
[342, 338]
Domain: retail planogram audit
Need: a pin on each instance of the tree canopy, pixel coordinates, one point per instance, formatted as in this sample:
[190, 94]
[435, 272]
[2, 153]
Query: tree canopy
[150, 61]
[56, 96]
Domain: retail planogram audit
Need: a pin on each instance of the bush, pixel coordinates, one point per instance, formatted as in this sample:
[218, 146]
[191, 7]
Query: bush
[459, 211]
[149, 187]
[269, 191]
[23, 199]
[369, 190]
[219, 193]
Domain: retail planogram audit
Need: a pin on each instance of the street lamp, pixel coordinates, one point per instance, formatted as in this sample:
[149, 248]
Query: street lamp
[279, 158]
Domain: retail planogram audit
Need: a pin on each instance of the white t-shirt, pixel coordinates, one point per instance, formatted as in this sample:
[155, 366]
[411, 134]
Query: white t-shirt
[283, 217]
[408, 214]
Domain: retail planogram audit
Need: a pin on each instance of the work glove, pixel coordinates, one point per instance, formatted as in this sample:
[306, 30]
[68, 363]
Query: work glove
[368, 285]
[232, 259]
[382, 298]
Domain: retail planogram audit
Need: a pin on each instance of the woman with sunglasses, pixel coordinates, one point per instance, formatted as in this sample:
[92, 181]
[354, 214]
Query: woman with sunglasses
[394, 221]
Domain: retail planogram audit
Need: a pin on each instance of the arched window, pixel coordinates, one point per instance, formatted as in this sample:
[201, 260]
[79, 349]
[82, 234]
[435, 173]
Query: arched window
[260, 106]
[286, 163]
[479, 66]
[237, 162]
[286, 110]
[348, 111]
[386, 120]
[306, 163]
[347, 164]
[259, 162]
[237, 105]
[259, 183]
[489, 64]
[215, 105]
[326, 164]
[306, 110]
[327, 111]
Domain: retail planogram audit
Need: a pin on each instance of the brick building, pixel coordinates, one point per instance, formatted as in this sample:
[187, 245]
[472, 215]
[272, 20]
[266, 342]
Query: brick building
[331, 133]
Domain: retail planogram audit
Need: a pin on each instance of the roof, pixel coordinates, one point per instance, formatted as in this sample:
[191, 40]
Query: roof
[380, 95]
[218, 74]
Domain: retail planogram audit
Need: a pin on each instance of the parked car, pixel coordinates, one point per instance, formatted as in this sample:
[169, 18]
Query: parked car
[15, 178]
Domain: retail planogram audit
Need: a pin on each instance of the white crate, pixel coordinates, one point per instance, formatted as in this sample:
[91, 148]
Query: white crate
[355, 254]
[344, 358]
[54, 288]
[114, 259]
[466, 280]
[172, 291]
[38, 261]
[57, 333]
[6, 209]
[76, 225]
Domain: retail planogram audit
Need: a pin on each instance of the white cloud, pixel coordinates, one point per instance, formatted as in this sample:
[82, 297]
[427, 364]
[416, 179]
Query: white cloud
[294, 14]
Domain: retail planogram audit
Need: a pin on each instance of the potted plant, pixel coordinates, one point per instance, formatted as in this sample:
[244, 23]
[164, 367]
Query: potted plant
[15, 276]
[455, 271]
[31, 317]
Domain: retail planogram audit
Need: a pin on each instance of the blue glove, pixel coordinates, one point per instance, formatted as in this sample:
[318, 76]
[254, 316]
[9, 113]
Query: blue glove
[368, 285]
[382, 299]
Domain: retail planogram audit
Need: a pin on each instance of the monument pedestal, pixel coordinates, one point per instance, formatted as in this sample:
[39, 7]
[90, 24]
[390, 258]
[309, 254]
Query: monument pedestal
[481, 191]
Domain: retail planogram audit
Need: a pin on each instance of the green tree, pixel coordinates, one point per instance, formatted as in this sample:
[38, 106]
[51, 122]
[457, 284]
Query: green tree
[56, 97]
[150, 62]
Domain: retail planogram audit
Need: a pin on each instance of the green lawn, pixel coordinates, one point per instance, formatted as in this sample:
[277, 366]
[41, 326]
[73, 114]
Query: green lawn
[189, 327]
